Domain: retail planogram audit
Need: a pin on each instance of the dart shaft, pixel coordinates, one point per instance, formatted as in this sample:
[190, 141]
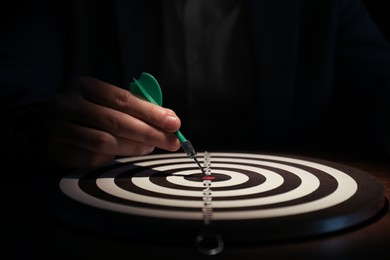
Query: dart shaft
[148, 88]
[181, 137]
[200, 167]
[190, 150]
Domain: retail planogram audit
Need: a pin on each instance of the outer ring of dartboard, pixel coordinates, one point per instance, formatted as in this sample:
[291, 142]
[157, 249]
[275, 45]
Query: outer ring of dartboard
[233, 209]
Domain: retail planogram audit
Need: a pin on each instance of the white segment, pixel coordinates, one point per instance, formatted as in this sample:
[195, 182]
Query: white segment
[145, 183]
[309, 184]
[70, 187]
[346, 188]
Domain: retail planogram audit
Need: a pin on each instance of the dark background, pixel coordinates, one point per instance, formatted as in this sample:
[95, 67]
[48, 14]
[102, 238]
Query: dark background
[35, 237]
[377, 9]
[380, 14]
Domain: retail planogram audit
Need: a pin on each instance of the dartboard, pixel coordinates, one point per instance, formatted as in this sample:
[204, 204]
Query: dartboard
[244, 197]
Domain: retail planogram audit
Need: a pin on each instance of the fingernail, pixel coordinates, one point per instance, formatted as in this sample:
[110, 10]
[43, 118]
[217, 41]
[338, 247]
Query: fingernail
[171, 123]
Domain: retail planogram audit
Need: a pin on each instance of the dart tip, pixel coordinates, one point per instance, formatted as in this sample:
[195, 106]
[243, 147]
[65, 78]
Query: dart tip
[200, 167]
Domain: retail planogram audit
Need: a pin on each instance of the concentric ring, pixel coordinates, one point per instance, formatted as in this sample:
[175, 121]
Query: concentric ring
[182, 200]
[250, 197]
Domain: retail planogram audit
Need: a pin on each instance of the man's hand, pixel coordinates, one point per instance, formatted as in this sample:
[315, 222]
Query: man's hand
[91, 122]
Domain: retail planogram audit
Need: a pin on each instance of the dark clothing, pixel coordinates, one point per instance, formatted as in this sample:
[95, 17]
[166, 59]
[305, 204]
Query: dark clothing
[207, 56]
[319, 69]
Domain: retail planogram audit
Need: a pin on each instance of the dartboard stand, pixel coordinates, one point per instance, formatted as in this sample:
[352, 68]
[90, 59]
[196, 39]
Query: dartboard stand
[256, 198]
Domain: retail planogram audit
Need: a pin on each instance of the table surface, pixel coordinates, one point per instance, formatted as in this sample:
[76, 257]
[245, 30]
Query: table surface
[30, 233]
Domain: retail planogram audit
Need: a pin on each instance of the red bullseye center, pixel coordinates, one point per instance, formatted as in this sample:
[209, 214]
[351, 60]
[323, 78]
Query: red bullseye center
[208, 178]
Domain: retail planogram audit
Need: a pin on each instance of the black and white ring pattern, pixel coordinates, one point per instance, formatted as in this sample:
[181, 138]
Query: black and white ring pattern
[246, 186]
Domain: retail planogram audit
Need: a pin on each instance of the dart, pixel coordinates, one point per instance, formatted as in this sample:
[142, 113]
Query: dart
[147, 87]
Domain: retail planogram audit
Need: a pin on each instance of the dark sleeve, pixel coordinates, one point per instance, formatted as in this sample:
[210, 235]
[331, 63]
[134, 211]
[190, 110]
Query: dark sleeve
[363, 73]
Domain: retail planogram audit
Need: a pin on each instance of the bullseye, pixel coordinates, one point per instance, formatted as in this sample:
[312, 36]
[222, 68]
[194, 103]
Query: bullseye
[246, 198]
[282, 195]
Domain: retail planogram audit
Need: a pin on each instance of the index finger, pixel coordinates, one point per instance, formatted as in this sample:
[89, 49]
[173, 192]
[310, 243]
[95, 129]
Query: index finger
[105, 94]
